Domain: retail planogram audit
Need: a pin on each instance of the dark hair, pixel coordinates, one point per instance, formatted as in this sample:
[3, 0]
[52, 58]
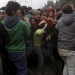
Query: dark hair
[42, 26]
[36, 12]
[67, 9]
[25, 8]
[44, 10]
[58, 9]
[39, 9]
[12, 5]
[29, 8]
[58, 16]
[22, 11]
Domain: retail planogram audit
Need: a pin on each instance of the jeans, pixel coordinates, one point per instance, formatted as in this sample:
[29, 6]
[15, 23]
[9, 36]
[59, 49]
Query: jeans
[19, 60]
[38, 51]
[49, 45]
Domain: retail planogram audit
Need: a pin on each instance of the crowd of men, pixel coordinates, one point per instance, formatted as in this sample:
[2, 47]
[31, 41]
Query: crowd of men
[37, 34]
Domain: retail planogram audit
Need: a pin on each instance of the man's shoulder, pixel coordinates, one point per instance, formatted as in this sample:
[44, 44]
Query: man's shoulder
[21, 22]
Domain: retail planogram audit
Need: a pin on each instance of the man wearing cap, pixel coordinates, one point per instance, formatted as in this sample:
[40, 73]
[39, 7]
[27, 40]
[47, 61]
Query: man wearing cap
[2, 13]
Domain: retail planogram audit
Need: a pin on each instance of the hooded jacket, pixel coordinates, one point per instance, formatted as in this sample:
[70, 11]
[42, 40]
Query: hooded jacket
[50, 24]
[66, 28]
[17, 31]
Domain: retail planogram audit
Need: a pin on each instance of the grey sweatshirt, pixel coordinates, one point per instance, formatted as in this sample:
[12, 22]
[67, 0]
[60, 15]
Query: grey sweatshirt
[66, 35]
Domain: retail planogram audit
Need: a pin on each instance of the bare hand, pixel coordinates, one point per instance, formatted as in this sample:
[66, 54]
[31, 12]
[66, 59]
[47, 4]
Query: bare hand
[42, 22]
[45, 26]
[49, 19]
[54, 21]
[48, 37]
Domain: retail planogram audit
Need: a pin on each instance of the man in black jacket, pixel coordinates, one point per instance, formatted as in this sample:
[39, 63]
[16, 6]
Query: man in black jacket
[3, 39]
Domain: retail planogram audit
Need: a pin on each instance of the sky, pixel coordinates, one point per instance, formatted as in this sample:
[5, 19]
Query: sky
[35, 4]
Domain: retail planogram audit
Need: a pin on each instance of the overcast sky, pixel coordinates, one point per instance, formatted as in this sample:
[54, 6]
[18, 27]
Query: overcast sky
[33, 3]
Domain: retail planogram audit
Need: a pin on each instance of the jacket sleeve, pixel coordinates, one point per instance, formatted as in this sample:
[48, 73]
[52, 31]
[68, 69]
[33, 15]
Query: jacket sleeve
[54, 33]
[39, 31]
[26, 29]
[57, 25]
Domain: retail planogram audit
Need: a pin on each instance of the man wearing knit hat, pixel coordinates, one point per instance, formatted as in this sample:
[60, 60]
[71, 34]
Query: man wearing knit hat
[2, 13]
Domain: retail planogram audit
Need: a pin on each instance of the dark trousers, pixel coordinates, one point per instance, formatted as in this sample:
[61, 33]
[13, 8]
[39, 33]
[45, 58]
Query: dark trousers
[38, 50]
[19, 61]
[49, 45]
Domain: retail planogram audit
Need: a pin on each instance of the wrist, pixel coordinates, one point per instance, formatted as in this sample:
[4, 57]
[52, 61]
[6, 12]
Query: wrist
[43, 28]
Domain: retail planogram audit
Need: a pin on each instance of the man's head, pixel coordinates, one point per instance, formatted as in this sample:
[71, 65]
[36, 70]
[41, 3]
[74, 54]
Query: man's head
[58, 10]
[44, 12]
[67, 9]
[32, 21]
[37, 15]
[22, 12]
[44, 26]
[50, 12]
[25, 9]
[2, 13]
[13, 8]
[30, 10]
[40, 11]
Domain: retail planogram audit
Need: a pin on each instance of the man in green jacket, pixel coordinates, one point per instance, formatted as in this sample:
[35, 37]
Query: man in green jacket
[17, 30]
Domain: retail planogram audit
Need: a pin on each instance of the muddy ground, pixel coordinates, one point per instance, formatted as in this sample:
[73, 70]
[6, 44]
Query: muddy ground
[47, 67]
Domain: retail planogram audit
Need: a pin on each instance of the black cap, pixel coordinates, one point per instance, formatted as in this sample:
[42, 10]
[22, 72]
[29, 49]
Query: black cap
[2, 10]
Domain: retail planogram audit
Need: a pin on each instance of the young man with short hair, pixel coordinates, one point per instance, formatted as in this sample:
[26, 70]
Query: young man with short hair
[2, 13]
[17, 30]
[66, 39]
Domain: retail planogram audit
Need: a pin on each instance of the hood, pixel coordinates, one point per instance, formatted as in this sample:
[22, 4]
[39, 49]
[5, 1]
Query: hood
[49, 10]
[67, 19]
[29, 15]
[11, 21]
[74, 13]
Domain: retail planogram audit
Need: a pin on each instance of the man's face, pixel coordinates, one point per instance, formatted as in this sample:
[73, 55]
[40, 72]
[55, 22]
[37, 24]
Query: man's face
[58, 12]
[17, 13]
[2, 16]
[31, 10]
[37, 16]
[33, 21]
[51, 13]
[44, 13]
